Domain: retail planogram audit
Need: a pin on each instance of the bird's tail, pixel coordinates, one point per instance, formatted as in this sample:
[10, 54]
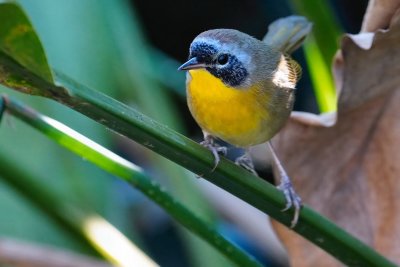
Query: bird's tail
[287, 34]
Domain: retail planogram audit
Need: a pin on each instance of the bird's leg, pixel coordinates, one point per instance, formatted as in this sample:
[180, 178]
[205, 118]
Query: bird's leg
[209, 143]
[246, 162]
[285, 185]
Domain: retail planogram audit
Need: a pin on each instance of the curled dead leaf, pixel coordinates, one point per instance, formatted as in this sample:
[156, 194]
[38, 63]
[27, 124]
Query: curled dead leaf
[379, 14]
[350, 171]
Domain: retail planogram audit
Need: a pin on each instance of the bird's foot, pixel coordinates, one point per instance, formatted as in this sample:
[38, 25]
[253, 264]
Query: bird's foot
[215, 149]
[292, 198]
[286, 186]
[245, 162]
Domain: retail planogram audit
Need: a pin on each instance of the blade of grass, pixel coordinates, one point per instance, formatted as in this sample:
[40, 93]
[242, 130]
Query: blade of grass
[74, 48]
[320, 48]
[85, 227]
[29, 187]
[326, 30]
[321, 75]
[159, 138]
[118, 166]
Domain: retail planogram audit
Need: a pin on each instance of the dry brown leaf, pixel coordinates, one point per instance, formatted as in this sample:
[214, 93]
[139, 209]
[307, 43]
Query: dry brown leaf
[350, 171]
[379, 14]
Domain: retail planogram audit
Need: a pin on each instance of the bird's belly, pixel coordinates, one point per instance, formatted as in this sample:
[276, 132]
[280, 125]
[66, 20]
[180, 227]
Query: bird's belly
[234, 115]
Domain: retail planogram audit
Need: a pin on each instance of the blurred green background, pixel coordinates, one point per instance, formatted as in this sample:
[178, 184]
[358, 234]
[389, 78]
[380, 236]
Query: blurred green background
[130, 50]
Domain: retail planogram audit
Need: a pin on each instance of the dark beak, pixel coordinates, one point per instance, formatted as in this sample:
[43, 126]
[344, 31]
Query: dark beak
[192, 64]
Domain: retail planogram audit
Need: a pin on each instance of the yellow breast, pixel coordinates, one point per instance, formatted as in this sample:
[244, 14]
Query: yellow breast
[235, 115]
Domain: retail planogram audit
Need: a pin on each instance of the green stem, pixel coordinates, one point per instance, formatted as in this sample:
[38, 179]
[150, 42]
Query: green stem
[320, 48]
[122, 168]
[42, 198]
[159, 138]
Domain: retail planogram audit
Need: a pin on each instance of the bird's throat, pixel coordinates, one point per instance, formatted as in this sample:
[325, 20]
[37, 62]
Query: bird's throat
[231, 114]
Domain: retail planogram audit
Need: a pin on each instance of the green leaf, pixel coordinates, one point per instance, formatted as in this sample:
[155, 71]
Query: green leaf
[116, 165]
[69, 50]
[19, 40]
[161, 139]
[320, 48]
[321, 76]
[87, 228]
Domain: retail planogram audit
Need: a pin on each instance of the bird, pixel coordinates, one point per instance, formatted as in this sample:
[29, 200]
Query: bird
[241, 90]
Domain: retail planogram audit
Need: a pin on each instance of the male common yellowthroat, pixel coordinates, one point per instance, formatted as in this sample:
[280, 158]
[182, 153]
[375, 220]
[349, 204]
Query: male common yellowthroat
[241, 89]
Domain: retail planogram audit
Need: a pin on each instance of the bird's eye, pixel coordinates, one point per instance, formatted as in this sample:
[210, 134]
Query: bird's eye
[222, 59]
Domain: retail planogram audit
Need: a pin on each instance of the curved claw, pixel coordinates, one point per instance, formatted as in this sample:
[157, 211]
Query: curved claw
[292, 200]
[246, 162]
[216, 157]
[215, 149]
